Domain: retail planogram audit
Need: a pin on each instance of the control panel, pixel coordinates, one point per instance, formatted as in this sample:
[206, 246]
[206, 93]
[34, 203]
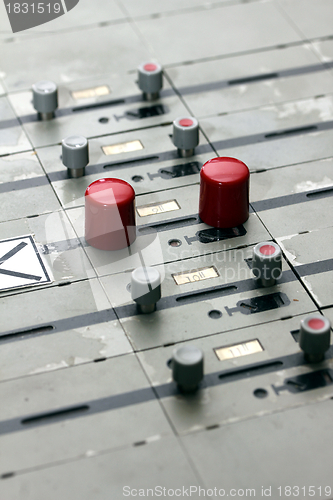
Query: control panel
[166, 267]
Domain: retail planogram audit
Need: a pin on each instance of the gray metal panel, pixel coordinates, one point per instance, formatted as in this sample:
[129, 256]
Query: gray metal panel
[119, 48]
[35, 196]
[227, 85]
[329, 314]
[193, 321]
[289, 220]
[53, 329]
[292, 179]
[13, 138]
[274, 454]
[274, 336]
[144, 163]
[53, 440]
[224, 30]
[273, 136]
[161, 463]
[155, 248]
[91, 122]
[301, 148]
[269, 119]
[192, 316]
[313, 246]
[323, 49]
[147, 8]
[312, 20]
[101, 415]
[231, 401]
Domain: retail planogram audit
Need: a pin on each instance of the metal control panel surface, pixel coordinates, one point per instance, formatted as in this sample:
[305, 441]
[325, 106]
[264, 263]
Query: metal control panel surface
[89, 408]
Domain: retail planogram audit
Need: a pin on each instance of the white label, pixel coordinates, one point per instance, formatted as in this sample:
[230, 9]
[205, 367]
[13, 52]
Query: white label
[93, 92]
[237, 350]
[205, 273]
[153, 209]
[21, 264]
[123, 147]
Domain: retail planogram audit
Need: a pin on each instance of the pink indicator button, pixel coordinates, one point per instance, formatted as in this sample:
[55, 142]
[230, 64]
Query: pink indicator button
[150, 67]
[185, 122]
[316, 323]
[109, 214]
[267, 249]
[224, 192]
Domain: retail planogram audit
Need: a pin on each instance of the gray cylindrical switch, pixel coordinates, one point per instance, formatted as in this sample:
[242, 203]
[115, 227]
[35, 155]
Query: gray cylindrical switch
[75, 155]
[185, 135]
[150, 80]
[315, 337]
[267, 263]
[45, 99]
[187, 367]
[146, 288]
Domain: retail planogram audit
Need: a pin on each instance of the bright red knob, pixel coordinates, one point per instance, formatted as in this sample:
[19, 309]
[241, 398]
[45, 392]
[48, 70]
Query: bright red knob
[109, 214]
[224, 192]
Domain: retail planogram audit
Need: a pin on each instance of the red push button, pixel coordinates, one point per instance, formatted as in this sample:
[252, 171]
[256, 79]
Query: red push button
[186, 122]
[267, 249]
[224, 192]
[316, 323]
[109, 214]
[150, 67]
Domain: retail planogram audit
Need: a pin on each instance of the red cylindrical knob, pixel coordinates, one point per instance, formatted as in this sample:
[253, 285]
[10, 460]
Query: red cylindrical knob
[109, 214]
[224, 192]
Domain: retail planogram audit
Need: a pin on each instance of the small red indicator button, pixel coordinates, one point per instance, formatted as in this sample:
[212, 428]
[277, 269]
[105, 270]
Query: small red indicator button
[109, 214]
[185, 122]
[316, 323]
[224, 192]
[150, 67]
[267, 249]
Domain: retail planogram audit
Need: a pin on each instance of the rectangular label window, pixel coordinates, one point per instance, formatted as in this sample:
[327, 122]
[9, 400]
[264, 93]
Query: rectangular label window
[93, 92]
[123, 147]
[153, 209]
[205, 273]
[237, 350]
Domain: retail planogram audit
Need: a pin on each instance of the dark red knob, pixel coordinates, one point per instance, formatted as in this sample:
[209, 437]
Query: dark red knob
[109, 214]
[224, 192]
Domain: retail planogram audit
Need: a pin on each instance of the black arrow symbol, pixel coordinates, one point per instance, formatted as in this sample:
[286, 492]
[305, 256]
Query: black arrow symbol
[10, 254]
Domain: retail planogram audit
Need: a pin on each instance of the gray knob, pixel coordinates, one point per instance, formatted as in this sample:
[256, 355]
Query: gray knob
[150, 80]
[187, 367]
[75, 155]
[267, 263]
[185, 135]
[146, 288]
[45, 99]
[315, 337]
